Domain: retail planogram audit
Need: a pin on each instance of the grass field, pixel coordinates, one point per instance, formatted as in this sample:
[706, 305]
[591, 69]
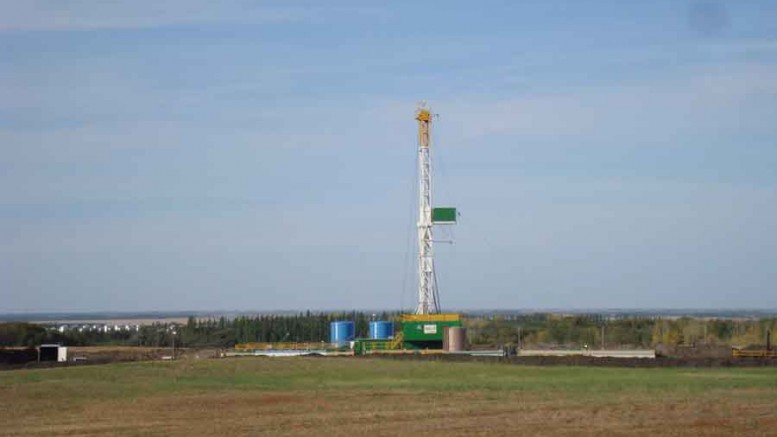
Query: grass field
[338, 396]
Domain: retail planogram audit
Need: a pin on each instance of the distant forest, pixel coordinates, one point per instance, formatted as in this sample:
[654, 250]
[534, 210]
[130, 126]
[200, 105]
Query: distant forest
[539, 330]
[212, 332]
[544, 330]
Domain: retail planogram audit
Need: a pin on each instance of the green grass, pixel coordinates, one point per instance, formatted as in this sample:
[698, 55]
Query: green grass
[291, 374]
[324, 396]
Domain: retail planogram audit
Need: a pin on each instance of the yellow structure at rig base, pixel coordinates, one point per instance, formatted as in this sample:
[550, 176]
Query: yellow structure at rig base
[397, 341]
[739, 353]
[430, 318]
[281, 346]
[404, 352]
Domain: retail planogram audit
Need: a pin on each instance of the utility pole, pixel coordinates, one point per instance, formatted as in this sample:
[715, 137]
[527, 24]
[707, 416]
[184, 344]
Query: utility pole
[603, 336]
[173, 343]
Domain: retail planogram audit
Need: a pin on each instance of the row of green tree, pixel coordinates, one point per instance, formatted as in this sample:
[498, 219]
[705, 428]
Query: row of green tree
[597, 331]
[532, 330]
[220, 332]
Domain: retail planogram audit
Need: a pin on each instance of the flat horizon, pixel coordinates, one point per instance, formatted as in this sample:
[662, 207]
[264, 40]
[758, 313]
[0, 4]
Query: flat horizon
[178, 314]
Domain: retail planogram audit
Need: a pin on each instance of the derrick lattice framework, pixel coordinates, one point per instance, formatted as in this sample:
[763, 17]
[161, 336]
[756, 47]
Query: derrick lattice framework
[428, 300]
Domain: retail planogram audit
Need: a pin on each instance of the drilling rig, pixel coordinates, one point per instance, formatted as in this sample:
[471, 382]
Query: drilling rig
[428, 293]
[426, 328]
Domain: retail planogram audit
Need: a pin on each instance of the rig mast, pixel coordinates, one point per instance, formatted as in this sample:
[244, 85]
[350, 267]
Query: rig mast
[428, 302]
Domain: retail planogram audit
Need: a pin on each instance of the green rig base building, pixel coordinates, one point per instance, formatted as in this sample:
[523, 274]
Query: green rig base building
[417, 333]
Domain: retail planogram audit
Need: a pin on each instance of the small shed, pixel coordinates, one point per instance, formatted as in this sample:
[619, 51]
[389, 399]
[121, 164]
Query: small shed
[52, 352]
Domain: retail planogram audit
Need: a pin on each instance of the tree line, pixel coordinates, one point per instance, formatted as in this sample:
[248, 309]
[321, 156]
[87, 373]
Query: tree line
[210, 332]
[597, 331]
[541, 330]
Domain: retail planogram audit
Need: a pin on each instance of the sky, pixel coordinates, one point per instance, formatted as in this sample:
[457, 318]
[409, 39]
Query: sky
[245, 155]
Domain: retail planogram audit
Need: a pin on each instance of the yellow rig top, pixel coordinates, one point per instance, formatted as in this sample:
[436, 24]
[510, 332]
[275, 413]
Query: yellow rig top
[423, 114]
[424, 118]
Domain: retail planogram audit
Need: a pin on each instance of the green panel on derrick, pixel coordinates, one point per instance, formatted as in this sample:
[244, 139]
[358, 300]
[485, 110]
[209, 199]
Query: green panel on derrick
[444, 215]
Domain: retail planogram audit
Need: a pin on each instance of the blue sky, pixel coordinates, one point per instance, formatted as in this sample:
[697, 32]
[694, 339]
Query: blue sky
[184, 154]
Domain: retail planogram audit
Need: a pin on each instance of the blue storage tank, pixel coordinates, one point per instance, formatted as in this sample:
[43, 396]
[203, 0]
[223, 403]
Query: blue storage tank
[381, 330]
[340, 333]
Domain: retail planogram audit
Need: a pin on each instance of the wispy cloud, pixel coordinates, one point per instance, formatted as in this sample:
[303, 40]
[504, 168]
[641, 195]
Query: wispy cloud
[84, 15]
[741, 46]
[722, 98]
